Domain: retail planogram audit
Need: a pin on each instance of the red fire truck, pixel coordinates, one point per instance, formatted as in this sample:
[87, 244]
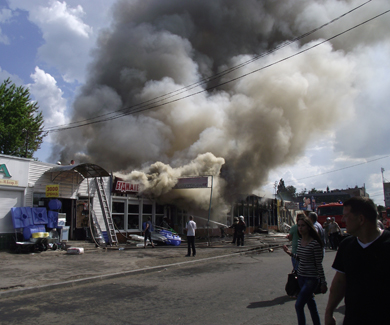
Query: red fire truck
[332, 210]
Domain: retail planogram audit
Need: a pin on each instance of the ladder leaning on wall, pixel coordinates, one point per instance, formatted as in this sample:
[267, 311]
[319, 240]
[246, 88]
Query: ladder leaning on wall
[106, 212]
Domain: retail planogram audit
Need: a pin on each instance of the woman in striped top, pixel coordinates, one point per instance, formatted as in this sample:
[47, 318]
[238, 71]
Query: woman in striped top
[310, 271]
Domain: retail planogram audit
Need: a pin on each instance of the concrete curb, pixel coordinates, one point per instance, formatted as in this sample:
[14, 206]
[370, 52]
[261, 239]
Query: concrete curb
[73, 283]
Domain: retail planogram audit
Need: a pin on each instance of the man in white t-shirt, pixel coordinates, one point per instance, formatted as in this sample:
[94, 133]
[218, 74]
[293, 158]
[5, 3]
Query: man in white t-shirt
[191, 226]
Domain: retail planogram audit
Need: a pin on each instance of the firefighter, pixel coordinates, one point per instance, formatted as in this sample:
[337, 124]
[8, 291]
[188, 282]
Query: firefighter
[234, 226]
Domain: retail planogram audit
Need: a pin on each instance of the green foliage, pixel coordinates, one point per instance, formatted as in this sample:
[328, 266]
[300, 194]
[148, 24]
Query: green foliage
[281, 186]
[380, 209]
[21, 122]
[313, 191]
[290, 190]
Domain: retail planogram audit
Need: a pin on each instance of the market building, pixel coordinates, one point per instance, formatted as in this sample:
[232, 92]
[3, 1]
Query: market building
[28, 183]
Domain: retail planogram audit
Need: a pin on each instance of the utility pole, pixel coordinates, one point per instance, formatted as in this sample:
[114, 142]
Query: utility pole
[383, 182]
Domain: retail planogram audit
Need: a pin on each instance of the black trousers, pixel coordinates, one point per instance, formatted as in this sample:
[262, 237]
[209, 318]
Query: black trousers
[334, 240]
[191, 244]
[240, 239]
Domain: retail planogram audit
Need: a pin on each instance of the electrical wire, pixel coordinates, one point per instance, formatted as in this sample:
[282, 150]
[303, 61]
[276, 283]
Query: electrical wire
[336, 170]
[158, 101]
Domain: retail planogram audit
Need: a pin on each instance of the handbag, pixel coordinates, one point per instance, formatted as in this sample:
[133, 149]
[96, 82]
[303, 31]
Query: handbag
[292, 286]
[317, 290]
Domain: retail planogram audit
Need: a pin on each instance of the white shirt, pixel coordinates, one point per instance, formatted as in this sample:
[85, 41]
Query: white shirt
[191, 226]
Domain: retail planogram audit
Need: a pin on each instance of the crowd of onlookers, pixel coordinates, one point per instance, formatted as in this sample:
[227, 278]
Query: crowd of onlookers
[361, 262]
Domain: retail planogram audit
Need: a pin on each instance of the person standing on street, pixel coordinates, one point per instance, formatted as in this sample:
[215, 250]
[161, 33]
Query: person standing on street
[334, 233]
[361, 264]
[191, 227]
[314, 217]
[241, 227]
[148, 232]
[294, 237]
[310, 270]
[326, 229]
[234, 226]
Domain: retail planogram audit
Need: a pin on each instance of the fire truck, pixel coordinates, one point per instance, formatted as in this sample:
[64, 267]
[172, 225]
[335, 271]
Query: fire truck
[332, 210]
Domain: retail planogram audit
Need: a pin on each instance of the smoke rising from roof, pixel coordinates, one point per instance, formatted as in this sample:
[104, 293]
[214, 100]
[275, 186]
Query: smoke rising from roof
[240, 130]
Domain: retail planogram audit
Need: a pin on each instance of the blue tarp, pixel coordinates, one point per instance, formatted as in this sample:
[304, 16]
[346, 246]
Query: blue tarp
[55, 204]
[39, 216]
[22, 217]
[171, 238]
[52, 217]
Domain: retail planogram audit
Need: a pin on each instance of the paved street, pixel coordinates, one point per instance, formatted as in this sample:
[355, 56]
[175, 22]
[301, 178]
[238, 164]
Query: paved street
[243, 289]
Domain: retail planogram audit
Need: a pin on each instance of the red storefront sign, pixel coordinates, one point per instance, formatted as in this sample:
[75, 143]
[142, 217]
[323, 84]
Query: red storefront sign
[126, 187]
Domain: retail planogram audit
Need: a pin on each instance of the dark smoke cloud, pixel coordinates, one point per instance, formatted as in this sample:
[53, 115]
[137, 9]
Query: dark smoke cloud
[252, 125]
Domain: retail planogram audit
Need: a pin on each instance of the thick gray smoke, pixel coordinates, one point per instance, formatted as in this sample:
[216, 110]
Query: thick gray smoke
[240, 130]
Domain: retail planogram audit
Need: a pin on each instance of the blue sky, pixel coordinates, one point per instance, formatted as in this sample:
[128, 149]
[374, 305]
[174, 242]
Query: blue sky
[46, 45]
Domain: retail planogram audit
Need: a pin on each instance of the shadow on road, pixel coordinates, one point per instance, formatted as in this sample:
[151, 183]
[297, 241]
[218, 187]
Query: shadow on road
[269, 303]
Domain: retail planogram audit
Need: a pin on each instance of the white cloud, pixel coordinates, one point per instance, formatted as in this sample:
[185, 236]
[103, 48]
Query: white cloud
[69, 32]
[67, 38]
[3, 38]
[49, 97]
[5, 16]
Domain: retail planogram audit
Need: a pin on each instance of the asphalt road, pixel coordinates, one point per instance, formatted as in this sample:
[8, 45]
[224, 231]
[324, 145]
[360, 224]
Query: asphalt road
[246, 289]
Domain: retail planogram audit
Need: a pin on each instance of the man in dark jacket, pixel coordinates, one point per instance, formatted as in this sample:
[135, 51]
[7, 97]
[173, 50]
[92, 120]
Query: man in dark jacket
[241, 227]
[234, 226]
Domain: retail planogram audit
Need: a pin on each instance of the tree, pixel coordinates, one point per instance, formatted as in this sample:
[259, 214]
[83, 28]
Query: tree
[291, 190]
[21, 122]
[302, 193]
[281, 186]
[313, 191]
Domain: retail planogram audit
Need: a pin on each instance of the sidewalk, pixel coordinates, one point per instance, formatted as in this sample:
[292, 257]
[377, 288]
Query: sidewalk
[26, 273]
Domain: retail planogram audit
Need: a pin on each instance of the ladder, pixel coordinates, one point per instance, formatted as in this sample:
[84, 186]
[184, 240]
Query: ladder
[106, 212]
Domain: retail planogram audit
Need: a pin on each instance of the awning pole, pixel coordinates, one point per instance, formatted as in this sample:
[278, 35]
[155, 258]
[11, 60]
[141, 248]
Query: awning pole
[208, 220]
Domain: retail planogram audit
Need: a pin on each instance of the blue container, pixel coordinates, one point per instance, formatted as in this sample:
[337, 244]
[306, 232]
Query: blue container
[55, 204]
[105, 237]
[52, 219]
[22, 217]
[28, 231]
[39, 216]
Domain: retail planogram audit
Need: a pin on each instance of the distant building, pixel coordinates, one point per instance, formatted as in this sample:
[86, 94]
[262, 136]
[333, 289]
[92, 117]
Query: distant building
[311, 200]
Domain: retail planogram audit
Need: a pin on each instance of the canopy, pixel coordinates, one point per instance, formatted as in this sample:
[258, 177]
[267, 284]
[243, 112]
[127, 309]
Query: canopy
[85, 170]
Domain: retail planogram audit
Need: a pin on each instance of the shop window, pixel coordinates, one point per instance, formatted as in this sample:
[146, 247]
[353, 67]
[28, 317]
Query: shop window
[118, 207]
[132, 222]
[159, 209]
[133, 208]
[133, 216]
[119, 221]
[118, 214]
[147, 209]
[160, 216]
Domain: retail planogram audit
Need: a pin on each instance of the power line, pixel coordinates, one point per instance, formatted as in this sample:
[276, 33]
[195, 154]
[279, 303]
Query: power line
[156, 102]
[336, 170]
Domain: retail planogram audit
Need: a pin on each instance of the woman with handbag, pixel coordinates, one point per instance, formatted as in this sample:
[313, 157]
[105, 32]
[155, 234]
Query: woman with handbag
[310, 271]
